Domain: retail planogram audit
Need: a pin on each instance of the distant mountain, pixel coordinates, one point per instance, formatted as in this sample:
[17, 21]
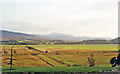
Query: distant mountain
[60, 36]
[8, 35]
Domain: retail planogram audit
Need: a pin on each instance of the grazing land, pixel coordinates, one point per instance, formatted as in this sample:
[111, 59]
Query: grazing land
[54, 57]
[58, 70]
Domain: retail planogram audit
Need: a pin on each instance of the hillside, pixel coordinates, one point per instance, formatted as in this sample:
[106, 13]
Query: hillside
[116, 40]
[8, 35]
[68, 37]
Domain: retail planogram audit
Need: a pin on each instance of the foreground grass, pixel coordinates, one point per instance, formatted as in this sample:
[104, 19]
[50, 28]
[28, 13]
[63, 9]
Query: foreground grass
[58, 69]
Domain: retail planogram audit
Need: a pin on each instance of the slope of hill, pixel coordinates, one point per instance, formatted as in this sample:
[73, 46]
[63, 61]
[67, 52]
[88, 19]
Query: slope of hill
[60, 36]
[116, 40]
[8, 35]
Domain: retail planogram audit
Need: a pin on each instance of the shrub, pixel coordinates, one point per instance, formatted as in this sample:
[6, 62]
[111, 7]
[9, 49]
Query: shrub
[46, 51]
[91, 61]
[115, 61]
[5, 51]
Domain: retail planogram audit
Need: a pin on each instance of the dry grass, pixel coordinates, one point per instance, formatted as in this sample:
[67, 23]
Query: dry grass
[71, 55]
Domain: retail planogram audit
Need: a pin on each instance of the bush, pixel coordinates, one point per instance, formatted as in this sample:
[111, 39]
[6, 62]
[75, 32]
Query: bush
[77, 65]
[46, 51]
[5, 51]
[91, 61]
[115, 61]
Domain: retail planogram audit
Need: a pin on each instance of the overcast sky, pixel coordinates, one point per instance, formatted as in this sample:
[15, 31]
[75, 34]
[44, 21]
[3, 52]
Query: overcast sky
[94, 18]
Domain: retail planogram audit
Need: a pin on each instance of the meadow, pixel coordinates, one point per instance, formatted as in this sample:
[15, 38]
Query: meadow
[59, 56]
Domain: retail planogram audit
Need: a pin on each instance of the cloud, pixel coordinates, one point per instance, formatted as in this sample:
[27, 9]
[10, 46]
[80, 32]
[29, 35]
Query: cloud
[77, 17]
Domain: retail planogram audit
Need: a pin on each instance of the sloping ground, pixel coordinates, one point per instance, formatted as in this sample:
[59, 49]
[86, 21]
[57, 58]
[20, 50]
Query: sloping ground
[27, 57]
[35, 60]
[8, 35]
[59, 57]
[23, 58]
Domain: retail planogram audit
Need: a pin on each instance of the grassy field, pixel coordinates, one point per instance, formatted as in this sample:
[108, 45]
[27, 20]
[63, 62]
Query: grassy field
[111, 47]
[58, 69]
[62, 57]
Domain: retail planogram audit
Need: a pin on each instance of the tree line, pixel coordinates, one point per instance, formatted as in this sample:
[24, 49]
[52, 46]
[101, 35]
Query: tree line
[13, 42]
[58, 42]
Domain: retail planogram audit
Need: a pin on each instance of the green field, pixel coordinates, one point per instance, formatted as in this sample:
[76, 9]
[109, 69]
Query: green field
[111, 47]
[59, 69]
[65, 58]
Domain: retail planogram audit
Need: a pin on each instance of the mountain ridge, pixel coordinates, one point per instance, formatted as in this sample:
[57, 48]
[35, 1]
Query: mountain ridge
[10, 35]
[60, 36]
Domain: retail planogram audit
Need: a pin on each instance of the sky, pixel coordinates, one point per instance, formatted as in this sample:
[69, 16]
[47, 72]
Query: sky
[93, 18]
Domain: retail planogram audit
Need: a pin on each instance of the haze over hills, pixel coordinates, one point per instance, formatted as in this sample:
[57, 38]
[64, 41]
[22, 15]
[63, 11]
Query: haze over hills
[60, 36]
[8, 35]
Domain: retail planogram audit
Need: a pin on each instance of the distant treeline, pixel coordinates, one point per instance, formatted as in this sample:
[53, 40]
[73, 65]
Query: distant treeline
[13, 42]
[57, 42]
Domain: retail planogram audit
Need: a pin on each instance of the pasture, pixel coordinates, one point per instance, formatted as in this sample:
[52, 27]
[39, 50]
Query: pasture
[59, 56]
